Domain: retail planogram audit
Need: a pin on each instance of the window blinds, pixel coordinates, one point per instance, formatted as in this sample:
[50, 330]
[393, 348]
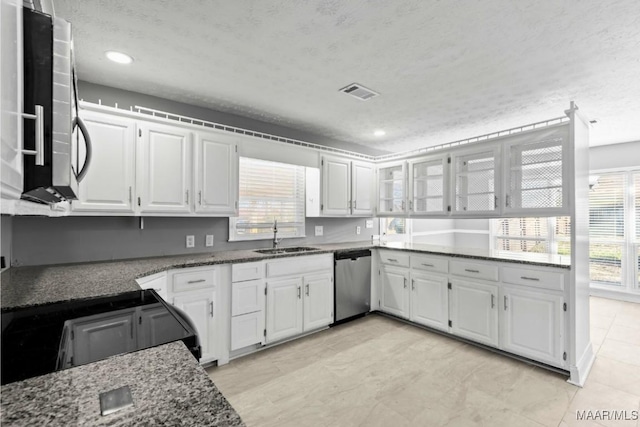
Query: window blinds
[606, 207]
[269, 191]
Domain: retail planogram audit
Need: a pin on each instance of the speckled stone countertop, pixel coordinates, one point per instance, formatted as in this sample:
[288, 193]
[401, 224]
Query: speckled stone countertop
[167, 385]
[543, 260]
[28, 286]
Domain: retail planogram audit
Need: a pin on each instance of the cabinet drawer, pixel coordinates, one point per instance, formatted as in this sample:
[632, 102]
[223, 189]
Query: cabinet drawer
[437, 265]
[535, 278]
[475, 270]
[247, 297]
[397, 258]
[248, 271]
[190, 280]
[299, 265]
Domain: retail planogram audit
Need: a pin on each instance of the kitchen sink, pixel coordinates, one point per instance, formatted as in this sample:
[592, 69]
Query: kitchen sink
[294, 249]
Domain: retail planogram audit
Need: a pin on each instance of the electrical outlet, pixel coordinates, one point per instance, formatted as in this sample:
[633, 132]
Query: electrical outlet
[358, 229]
[368, 223]
[319, 230]
[191, 241]
[208, 242]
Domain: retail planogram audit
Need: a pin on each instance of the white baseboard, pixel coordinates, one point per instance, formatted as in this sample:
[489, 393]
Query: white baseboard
[580, 372]
[615, 294]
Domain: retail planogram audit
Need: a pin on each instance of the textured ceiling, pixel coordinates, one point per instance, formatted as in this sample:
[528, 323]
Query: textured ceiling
[445, 70]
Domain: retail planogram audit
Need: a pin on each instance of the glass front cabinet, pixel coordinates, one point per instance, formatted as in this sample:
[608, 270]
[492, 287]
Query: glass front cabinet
[428, 184]
[534, 173]
[392, 189]
[476, 181]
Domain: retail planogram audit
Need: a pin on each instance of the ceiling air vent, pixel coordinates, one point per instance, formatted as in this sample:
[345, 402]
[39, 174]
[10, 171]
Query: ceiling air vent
[358, 91]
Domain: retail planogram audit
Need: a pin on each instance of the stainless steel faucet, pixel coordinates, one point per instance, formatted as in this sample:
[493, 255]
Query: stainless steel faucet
[276, 241]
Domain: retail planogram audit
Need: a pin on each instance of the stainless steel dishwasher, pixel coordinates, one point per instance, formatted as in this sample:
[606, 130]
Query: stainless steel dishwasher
[352, 284]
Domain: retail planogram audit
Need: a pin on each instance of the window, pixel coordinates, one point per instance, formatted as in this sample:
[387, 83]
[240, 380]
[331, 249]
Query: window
[269, 191]
[614, 229]
[541, 235]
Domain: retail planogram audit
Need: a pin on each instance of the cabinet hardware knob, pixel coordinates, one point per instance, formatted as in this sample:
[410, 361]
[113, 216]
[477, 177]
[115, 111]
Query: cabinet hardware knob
[493, 302]
[200, 197]
[299, 294]
[39, 151]
[196, 281]
[471, 271]
[535, 279]
[505, 302]
[186, 196]
[413, 284]
[130, 196]
[211, 308]
[307, 289]
[405, 283]
[427, 265]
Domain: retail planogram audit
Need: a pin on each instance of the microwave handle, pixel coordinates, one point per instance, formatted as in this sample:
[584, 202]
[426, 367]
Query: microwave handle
[89, 151]
[39, 118]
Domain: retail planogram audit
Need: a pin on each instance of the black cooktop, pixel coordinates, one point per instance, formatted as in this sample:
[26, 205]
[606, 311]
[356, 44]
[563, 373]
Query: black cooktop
[47, 338]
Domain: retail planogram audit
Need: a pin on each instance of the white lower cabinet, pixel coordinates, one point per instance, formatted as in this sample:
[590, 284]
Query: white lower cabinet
[474, 311]
[247, 305]
[395, 292]
[200, 306]
[429, 300]
[284, 308]
[531, 324]
[198, 291]
[302, 299]
[318, 301]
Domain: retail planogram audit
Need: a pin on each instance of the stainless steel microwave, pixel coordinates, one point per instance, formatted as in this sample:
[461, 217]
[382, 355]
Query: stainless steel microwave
[52, 126]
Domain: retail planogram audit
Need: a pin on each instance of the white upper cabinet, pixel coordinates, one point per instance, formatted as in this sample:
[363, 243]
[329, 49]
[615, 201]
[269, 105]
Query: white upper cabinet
[347, 187]
[164, 169]
[362, 185]
[476, 181]
[428, 185]
[392, 189]
[11, 104]
[336, 191]
[216, 174]
[110, 181]
[534, 175]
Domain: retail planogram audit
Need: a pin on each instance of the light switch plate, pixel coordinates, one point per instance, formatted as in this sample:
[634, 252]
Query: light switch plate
[319, 230]
[358, 229]
[191, 241]
[208, 240]
[368, 223]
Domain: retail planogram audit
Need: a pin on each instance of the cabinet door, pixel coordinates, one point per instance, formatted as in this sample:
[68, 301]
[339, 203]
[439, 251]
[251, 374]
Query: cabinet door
[216, 164]
[284, 308]
[531, 322]
[391, 189]
[336, 194]
[395, 290]
[429, 183]
[247, 329]
[109, 183]
[164, 169]
[474, 311]
[11, 100]
[100, 336]
[201, 308]
[430, 300]
[476, 181]
[534, 175]
[318, 301]
[362, 181]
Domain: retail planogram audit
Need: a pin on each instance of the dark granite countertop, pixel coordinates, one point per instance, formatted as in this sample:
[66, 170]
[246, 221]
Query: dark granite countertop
[28, 286]
[167, 385]
[539, 259]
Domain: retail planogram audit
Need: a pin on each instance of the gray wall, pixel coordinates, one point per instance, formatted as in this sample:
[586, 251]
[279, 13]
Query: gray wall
[614, 156]
[41, 240]
[92, 92]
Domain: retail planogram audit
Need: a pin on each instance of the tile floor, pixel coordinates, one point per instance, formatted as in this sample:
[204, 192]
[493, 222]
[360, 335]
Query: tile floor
[377, 371]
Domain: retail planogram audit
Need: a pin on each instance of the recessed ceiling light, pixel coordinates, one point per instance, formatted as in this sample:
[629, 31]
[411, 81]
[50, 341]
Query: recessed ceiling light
[119, 57]
[379, 132]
